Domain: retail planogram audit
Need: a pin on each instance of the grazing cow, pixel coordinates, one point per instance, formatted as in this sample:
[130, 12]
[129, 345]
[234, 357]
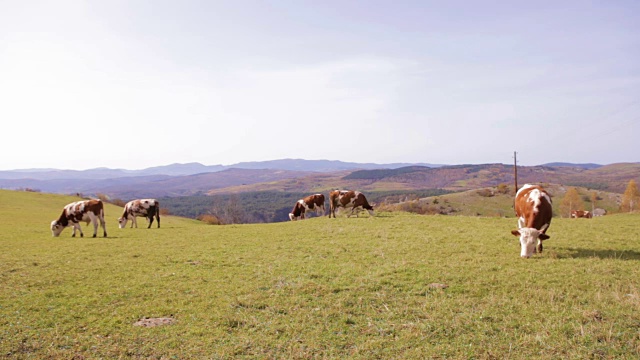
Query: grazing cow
[581, 214]
[310, 203]
[140, 207]
[346, 199]
[533, 209]
[79, 211]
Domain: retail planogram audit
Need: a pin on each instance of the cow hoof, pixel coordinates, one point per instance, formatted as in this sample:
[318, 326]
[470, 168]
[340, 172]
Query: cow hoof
[73, 235]
[81, 235]
[94, 235]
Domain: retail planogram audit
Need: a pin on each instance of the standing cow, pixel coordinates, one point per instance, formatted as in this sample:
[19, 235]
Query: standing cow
[313, 202]
[89, 211]
[147, 208]
[581, 214]
[346, 199]
[533, 209]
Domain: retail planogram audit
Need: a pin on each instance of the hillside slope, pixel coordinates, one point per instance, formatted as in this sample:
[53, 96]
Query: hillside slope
[22, 209]
[613, 178]
[489, 202]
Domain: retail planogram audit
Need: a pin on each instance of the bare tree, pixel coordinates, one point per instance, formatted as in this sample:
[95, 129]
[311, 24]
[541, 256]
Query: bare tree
[631, 197]
[571, 201]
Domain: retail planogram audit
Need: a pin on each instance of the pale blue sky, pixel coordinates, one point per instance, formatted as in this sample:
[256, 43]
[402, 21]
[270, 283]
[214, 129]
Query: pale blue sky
[134, 84]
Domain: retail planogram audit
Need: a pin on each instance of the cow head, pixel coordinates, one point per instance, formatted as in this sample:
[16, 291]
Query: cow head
[122, 223]
[56, 228]
[370, 211]
[529, 238]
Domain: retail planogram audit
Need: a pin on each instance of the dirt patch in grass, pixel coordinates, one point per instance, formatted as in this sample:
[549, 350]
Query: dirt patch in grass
[151, 322]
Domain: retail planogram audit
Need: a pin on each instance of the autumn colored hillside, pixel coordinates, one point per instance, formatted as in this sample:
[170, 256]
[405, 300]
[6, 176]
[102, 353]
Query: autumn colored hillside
[612, 178]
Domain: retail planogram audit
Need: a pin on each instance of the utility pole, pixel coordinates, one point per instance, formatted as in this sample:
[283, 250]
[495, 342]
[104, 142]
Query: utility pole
[515, 171]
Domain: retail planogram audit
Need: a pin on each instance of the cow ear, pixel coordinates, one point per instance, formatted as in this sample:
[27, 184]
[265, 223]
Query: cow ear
[543, 236]
[515, 232]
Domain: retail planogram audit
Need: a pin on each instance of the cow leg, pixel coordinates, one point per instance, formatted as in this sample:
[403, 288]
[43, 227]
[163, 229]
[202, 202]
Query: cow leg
[77, 226]
[95, 227]
[134, 221]
[94, 221]
[539, 247]
[150, 221]
[158, 218]
[104, 226]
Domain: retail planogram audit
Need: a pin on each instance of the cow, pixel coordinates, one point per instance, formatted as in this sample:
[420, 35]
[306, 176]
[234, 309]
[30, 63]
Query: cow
[147, 208]
[346, 199]
[313, 202]
[533, 209]
[580, 214]
[80, 211]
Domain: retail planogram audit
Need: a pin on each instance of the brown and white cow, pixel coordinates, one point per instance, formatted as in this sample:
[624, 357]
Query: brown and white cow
[580, 214]
[80, 211]
[313, 202]
[345, 199]
[147, 208]
[533, 209]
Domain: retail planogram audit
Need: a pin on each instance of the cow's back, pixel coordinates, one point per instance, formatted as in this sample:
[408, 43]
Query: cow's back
[533, 205]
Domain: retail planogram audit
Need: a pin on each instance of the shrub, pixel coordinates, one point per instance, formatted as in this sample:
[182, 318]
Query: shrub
[485, 192]
[502, 189]
[209, 219]
[118, 202]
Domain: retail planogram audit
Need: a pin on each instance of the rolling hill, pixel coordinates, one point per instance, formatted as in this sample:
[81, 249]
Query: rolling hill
[488, 201]
[612, 178]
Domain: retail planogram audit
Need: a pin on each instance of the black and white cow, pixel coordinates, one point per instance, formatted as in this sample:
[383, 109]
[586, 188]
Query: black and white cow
[89, 211]
[147, 208]
[313, 202]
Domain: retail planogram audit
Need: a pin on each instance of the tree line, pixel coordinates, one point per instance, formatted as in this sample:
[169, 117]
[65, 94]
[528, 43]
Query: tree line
[264, 206]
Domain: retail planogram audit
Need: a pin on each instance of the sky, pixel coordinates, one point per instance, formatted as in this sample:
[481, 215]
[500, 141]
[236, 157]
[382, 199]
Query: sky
[132, 84]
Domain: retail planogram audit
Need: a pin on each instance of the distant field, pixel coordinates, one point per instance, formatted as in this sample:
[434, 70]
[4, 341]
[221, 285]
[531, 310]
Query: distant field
[321, 288]
[472, 203]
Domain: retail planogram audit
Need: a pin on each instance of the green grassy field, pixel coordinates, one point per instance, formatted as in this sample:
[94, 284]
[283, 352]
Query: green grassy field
[321, 288]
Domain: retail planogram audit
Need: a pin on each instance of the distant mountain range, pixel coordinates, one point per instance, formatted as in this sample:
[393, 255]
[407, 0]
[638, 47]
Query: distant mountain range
[303, 176]
[581, 166]
[197, 168]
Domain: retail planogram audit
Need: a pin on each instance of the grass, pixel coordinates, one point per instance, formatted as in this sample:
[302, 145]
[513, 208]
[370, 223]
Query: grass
[320, 288]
